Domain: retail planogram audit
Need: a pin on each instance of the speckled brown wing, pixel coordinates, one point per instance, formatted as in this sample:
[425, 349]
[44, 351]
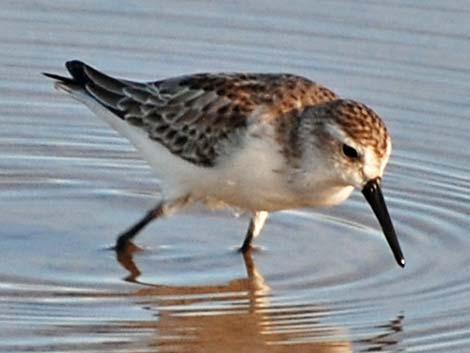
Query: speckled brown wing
[195, 116]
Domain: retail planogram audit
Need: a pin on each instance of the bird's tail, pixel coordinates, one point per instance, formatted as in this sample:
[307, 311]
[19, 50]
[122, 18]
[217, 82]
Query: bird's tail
[85, 77]
[88, 85]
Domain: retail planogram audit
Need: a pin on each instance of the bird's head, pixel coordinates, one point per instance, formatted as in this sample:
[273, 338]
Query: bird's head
[349, 147]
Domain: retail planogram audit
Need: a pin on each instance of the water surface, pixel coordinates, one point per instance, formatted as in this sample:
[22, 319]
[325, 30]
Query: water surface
[321, 281]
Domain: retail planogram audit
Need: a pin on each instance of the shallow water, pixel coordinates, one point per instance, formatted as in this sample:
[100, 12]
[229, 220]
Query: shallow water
[321, 281]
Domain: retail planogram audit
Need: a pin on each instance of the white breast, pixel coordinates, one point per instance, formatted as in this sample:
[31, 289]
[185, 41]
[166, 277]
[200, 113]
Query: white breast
[253, 176]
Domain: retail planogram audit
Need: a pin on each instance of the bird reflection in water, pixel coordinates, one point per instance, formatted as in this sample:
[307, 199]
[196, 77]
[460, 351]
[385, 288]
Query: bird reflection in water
[240, 316]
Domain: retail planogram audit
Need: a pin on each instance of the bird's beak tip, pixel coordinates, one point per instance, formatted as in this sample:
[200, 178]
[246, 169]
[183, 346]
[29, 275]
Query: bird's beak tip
[374, 197]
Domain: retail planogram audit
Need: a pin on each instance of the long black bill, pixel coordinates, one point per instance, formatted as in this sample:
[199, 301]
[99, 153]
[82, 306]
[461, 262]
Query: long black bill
[374, 197]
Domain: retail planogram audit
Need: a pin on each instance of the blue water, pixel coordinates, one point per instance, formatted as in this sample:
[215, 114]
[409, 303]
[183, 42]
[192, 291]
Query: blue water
[321, 281]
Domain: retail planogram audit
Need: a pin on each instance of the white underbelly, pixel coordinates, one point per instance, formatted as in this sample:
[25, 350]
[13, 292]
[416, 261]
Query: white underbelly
[177, 176]
[252, 178]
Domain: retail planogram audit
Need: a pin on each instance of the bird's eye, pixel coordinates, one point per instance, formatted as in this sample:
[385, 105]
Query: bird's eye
[350, 152]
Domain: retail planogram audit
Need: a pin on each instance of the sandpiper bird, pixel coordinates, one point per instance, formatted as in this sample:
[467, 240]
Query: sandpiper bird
[255, 142]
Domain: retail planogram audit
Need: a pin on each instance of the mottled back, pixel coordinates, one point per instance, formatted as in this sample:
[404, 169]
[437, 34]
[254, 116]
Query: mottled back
[195, 116]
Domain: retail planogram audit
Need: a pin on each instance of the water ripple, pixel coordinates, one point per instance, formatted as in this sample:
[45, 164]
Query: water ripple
[321, 280]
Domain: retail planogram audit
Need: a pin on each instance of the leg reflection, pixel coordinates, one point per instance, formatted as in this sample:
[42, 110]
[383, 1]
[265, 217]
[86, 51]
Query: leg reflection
[243, 315]
[125, 256]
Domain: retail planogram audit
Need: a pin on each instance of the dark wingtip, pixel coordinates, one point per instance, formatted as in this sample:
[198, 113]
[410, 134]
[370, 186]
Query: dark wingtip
[67, 80]
[77, 70]
[58, 77]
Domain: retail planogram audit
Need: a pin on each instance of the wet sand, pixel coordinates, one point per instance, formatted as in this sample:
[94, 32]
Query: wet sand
[320, 280]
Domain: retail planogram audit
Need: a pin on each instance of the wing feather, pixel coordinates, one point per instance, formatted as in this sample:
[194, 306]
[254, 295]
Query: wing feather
[195, 116]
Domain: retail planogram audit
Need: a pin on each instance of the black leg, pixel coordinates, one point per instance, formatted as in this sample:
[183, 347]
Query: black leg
[164, 208]
[256, 224]
[123, 240]
[248, 237]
